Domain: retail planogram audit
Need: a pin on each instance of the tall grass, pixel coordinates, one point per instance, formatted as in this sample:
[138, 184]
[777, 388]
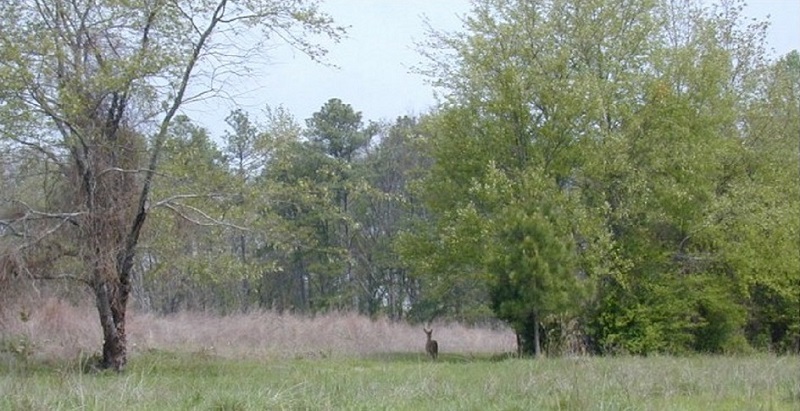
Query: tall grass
[195, 381]
[57, 330]
[262, 360]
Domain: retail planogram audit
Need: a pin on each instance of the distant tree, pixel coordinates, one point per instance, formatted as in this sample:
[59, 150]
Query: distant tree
[281, 201]
[339, 130]
[381, 212]
[337, 213]
[188, 261]
[338, 139]
[91, 89]
[443, 241]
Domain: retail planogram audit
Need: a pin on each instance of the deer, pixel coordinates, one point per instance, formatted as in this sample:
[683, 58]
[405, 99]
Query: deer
[431, 346]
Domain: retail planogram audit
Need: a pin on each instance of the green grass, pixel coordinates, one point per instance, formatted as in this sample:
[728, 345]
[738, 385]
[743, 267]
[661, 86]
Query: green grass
[183, 381]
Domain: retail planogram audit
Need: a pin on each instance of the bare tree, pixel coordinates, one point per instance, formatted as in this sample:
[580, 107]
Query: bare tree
[90, 89]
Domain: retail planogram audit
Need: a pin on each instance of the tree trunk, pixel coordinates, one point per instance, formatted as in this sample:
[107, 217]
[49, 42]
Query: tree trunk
[112, 290]
[528, 336]
[111, 306]
[537, 345]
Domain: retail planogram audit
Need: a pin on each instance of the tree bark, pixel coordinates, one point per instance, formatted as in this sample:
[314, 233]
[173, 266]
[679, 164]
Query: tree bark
[537, 344]
[111, 306]
[529, 336]
[112, 288]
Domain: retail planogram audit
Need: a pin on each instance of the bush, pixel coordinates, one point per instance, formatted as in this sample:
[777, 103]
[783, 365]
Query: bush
[18, 346]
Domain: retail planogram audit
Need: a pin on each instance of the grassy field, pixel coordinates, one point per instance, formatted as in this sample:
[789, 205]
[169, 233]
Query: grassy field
[197, 381]
[265, 361]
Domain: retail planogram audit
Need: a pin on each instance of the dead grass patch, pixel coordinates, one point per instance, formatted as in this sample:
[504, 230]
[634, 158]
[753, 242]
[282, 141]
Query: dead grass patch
[58, 329]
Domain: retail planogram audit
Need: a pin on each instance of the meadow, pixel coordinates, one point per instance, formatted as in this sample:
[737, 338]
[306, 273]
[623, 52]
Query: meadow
[266, 361]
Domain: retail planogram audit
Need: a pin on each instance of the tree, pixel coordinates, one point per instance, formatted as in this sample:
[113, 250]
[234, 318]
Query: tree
[616, 141]
[187, 260]
[760, 234]
[92, 87]
[531, 262]
[508, 140]
[381, 211]
[673, 176]
[339, 138]
[339, 130]
[281, 197]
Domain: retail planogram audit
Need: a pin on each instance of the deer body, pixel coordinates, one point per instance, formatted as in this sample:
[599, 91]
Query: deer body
[431, 346]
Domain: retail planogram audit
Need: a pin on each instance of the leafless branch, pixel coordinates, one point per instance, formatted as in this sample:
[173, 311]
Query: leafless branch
[144, 195]
[42, 236]
[62, 277]
[7, 225]
[171, 199]
[207, 220]
[127, 171]
[31, 213]
[38, 147]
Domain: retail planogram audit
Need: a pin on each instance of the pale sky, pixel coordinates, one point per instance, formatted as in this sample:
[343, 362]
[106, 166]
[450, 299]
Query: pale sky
[376, 57]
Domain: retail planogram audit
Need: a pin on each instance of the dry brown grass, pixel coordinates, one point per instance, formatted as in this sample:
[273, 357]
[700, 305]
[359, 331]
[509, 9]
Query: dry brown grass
[61, 330]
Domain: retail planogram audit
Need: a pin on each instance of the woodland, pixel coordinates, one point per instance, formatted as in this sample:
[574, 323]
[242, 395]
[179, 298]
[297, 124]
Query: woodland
[603, 176]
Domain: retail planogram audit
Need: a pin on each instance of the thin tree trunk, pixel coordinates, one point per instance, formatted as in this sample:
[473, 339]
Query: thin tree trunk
[528, 336]
[537, 346]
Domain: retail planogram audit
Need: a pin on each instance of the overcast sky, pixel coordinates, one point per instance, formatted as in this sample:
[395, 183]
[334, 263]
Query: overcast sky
[375, 60]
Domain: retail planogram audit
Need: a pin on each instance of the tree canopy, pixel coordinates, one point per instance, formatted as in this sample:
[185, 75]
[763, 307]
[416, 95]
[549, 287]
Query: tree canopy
[608, 146]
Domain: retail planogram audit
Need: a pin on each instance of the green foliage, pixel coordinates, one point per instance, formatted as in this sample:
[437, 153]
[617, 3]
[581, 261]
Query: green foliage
[192, 195]
[530, 260]
[20, 347]
[648, 148]
[382, 210]
[317, 189]
[673, 315]
[339, 130]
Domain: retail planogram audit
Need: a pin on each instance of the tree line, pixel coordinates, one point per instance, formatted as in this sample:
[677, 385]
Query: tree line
[608, 176]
